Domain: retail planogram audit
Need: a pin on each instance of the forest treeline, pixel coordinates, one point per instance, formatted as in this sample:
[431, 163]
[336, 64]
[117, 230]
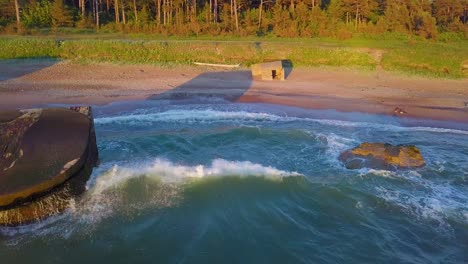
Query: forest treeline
[282, 18]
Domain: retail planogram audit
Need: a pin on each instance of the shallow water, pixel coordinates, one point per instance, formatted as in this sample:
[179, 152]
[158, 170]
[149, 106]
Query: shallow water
[246, 183]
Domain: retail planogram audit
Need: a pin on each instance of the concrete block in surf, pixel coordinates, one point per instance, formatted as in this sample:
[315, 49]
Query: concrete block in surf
[46, 157]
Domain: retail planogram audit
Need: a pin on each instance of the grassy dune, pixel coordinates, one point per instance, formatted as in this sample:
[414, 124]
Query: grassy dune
[437, 60]
[433, 59]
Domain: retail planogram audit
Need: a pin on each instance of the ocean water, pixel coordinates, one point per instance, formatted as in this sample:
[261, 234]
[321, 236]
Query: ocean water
[215, 182]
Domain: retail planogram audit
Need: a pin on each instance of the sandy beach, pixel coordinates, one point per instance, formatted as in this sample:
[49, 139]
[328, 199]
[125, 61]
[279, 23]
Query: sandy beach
[32, 83]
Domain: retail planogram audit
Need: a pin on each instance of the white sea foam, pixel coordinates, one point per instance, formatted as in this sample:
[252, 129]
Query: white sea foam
[404, 174]
[358, 205]
[381, 173]
[188, 116]
[420, 197]
[386, 127]
[170, 172]
[145, 117]
[337, 144]
[159, 185]
[102, 199]
[167, 177]
[437, 202]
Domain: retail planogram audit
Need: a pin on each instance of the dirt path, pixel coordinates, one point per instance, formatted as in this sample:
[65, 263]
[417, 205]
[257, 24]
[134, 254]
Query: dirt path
[377, 55]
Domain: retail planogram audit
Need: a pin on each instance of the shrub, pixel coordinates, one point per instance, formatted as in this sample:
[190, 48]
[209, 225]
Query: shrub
[344, 33]
[451, 37]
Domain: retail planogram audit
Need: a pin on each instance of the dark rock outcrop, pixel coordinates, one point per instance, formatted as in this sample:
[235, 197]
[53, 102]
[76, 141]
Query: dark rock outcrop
[46, 157]
[382, 156]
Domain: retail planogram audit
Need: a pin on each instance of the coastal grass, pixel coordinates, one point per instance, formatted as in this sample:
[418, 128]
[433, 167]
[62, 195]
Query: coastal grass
[413, 57]
[437, 60]
[182, 52]
[28, 48]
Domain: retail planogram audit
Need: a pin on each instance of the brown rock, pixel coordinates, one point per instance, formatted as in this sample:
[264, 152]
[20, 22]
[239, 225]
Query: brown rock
[46, 157]
[382, 156]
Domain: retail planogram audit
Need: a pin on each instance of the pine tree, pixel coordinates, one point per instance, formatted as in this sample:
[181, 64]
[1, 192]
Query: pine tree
[7, 11]
[285, 18]
[18, 20]
[61, 15]
[397, 16]
[447, 11]
[425, 25]
[359, 10]
[143, 15]
[335, 10]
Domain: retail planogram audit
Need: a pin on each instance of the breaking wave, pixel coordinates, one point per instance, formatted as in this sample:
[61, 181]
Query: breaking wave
[127, 190]
[158, 184]
[187, 116]
[148, 117]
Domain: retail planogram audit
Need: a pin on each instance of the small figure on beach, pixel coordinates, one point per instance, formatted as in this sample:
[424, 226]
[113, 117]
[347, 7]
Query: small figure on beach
[399, 111]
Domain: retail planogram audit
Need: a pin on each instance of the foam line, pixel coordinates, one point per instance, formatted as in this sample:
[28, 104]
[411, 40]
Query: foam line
[144, 117]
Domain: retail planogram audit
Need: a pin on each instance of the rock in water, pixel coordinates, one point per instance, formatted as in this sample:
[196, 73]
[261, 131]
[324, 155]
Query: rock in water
[46, 157]
[382, 156]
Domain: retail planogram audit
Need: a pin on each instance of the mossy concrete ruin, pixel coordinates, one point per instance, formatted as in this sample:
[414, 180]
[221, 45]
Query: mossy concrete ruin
[46, 157]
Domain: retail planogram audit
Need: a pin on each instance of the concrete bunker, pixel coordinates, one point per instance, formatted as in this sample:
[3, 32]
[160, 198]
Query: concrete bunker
[269, 71]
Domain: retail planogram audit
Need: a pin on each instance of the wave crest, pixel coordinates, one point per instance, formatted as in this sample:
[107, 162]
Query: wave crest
[146, 117]
[188, 116]
[157, 185]
[170, 172]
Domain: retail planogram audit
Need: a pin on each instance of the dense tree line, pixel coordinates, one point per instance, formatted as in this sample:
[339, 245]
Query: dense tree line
[283, 18]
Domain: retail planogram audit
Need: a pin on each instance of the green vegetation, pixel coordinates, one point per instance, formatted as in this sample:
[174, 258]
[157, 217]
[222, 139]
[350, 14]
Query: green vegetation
[341, 19]
[28, 48]
[182, 52]
[423, 37]
[428, 59]
[411, 56]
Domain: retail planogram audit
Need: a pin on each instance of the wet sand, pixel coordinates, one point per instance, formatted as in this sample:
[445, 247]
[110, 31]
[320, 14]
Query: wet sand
[34, 83]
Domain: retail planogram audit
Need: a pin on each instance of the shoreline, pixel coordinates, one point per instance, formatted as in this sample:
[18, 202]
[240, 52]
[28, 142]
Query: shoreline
[29, 84]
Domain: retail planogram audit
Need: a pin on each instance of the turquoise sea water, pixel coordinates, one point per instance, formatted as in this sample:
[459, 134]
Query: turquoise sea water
[252, 183]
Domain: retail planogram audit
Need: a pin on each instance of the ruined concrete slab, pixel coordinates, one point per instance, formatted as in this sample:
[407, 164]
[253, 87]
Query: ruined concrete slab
[40, 152]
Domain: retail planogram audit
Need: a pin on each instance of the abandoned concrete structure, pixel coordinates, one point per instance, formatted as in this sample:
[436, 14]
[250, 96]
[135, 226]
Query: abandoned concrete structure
[269, 71]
